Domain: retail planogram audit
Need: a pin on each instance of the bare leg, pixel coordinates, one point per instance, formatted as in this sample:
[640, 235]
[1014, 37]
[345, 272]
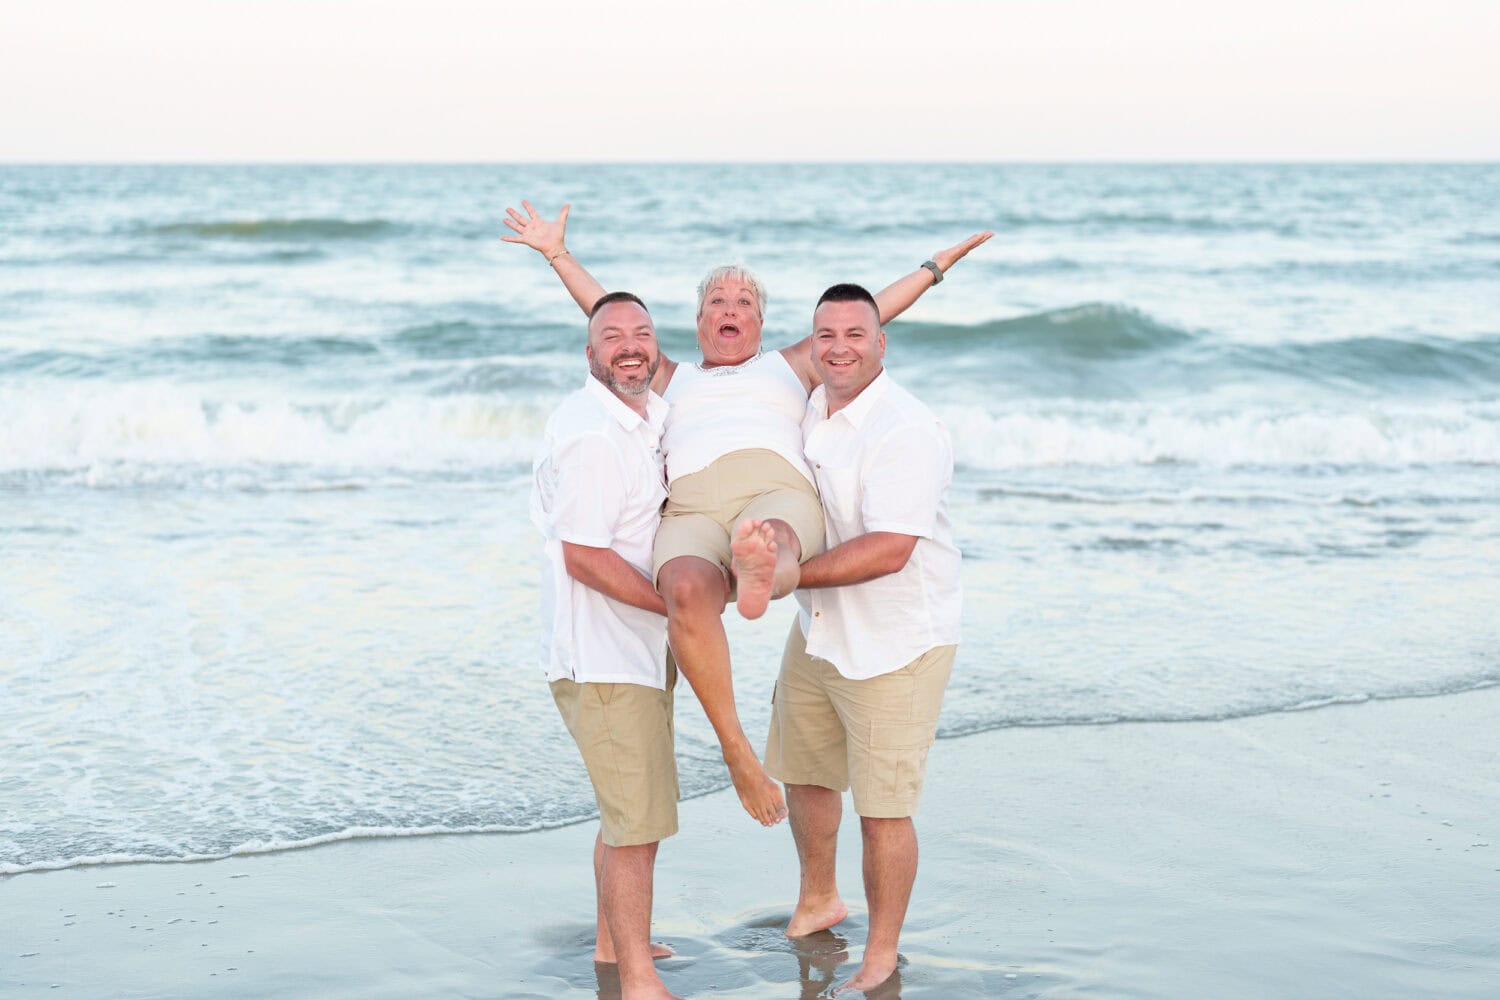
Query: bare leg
[815, 813]
[695, 593]
[626, 893]
[767, 556]
[890, 869]
[604, 945]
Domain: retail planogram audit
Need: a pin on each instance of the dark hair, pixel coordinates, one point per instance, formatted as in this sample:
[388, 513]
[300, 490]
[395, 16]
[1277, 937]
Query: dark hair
[847, 292]
[613, 297]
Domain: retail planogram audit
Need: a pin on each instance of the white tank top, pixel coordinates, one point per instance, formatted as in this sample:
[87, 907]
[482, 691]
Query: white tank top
[715, 411]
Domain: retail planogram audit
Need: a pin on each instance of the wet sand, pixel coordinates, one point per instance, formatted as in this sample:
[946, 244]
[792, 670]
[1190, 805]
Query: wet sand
[1351, 851]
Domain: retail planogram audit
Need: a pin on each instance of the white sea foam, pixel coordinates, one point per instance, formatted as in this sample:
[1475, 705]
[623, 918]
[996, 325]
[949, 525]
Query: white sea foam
[269, 846]
[140, 425]
[128, 433]
[1125, 434]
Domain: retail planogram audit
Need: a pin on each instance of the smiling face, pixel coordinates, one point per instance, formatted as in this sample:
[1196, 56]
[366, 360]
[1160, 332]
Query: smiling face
[848, 348]
[622, 349]
[729, 318]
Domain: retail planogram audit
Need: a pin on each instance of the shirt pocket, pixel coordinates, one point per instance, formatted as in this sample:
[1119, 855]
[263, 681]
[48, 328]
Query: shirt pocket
[840, 492]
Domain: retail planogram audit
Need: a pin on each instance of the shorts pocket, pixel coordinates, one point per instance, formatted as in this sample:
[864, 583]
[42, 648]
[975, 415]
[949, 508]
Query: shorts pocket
[898, 758]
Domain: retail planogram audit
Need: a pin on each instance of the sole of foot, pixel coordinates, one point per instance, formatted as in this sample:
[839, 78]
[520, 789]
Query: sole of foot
[754, 568]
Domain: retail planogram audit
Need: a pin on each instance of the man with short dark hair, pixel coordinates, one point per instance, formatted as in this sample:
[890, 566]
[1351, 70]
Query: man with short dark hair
[868, 659]
[597, 490]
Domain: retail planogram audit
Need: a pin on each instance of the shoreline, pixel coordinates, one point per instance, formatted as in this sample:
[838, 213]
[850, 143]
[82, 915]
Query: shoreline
[378, 833]
[1346, 851]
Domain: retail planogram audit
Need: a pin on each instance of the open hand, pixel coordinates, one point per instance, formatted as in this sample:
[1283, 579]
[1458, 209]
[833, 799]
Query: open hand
[543, 235]
[947, 258]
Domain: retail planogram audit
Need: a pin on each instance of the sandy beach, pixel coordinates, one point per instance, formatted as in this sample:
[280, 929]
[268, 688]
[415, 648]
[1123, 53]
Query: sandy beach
[1349, 851]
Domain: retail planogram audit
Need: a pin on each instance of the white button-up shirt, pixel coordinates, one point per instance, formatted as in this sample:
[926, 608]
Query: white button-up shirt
[883, 463]
[598, 481]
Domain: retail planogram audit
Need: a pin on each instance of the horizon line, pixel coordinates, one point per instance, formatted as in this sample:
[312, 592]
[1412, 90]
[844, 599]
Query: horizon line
[1022, 161]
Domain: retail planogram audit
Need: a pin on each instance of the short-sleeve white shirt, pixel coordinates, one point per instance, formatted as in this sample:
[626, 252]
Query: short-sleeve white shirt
[598, 481]
[883, 463]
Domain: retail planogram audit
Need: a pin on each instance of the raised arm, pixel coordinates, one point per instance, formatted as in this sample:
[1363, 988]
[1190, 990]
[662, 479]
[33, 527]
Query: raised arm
[545, 236]
[897, 297]
[892, 300]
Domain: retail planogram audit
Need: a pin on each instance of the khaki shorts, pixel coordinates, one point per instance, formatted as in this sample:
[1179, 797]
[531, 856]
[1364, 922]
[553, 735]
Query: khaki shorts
[872, 735]
[705, 507]
[624, 732]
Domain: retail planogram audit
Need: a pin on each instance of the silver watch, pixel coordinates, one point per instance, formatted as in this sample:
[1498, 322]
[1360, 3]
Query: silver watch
[937, 272]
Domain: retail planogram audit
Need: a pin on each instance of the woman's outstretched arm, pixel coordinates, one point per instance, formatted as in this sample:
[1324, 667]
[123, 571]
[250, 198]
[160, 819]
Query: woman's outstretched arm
[892, 300]
[897, 297]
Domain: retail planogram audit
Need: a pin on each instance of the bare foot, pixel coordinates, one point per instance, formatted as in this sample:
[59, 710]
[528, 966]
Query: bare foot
[760, 796]
[869, 977]
[811, 919]
[656, 991]
[607, 955]
[646, 988]
[754, 566]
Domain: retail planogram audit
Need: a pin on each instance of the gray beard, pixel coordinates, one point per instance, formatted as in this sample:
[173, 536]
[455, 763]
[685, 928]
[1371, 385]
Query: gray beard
[606, 376]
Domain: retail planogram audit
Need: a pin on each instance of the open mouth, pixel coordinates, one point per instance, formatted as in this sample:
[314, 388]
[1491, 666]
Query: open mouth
[729, 330]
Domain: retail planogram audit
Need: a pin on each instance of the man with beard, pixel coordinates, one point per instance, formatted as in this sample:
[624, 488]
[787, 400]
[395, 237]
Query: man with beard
[597, 490]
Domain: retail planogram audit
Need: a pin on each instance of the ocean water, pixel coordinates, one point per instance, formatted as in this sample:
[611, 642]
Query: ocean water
[1228, 442]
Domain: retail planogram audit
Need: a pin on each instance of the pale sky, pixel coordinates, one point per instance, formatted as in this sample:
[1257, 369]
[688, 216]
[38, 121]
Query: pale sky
[592, 80]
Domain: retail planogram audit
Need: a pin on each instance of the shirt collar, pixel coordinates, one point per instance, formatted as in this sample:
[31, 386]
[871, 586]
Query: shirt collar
[656, 407]
[860, 406]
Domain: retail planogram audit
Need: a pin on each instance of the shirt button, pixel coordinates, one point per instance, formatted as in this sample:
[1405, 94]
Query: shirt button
[817, 614]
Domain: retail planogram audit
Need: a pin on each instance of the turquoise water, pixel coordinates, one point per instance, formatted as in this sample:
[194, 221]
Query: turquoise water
[1228, 443]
